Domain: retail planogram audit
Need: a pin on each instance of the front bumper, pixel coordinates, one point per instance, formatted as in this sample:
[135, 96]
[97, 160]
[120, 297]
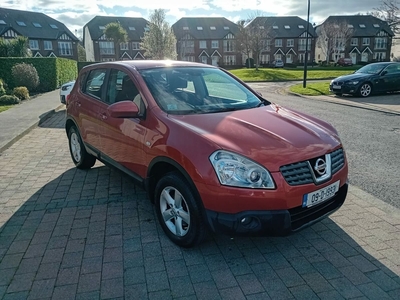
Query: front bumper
[344, 89]
[274, 222]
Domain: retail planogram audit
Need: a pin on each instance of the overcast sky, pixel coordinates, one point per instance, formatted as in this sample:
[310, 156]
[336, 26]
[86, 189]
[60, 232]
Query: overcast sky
[76, 13]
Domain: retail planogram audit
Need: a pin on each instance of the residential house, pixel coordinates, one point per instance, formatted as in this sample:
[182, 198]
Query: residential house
[207, 40]
[395, 50]
[286, 39]
[365, 38]
[99, 48]
[47, 36]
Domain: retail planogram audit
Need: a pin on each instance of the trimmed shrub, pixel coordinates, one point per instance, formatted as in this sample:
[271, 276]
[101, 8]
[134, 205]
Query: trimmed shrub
[21, 92]
[25, 75]
[9, 100]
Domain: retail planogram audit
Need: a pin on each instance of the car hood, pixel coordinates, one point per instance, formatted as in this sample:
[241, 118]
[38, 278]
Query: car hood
[270, 135]
[355, 76]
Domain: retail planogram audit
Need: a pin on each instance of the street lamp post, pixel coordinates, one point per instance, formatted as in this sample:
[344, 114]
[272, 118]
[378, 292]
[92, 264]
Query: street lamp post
[306, 53]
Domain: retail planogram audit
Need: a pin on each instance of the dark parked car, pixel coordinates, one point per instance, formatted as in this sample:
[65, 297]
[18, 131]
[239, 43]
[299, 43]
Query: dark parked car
[344, 62]
[375, 77]
[210, 151]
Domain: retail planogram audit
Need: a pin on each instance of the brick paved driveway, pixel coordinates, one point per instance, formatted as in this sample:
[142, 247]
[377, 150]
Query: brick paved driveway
[71, 234]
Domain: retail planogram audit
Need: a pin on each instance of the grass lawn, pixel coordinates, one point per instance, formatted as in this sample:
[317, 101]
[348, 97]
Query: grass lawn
[5, 107]
[312, 89]
[267, 74]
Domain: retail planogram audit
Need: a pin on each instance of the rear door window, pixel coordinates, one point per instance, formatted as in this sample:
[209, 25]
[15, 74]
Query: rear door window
[95, 83]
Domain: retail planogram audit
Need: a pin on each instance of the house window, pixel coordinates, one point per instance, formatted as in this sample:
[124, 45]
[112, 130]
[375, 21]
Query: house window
[376, 25]
[106, 48]
[226, 27]
[278, 43]
[187, 47]
[380, 43]
[2, 22]
[37, 25]
[301, 26]
[365, 41]
[275, 27]
[264, 59]
[33, 44]
[362, 25]
[132, 28]
[101, 27]
[124, 46]
[229, 60]
[229, 46]
[65, 48]
[48, 45]
[354, 42]
[380, 56]
[202, 44]
[213, 28]
[350, 26]
[135, 46]
[54, 26]
[287, 27]
[302, 45]
[214, 44]
[20, 23]
[290, 43]
[278, 56]
[199, 28]
[185, 28]
[188, 58]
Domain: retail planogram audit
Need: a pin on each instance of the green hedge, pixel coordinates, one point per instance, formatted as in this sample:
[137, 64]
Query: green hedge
[52, 71]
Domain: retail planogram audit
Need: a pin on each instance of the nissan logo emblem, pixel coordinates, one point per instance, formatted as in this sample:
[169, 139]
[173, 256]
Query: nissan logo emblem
[320, 166]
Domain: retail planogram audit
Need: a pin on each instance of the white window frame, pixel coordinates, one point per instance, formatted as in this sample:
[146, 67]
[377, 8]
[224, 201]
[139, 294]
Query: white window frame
[124, 46]
[214, 44]
[290, 43]
[366, 41]
[65, 48]
[135, 45]
[202, 44]
[107, 47]
[46, 44]
[34, 44]
[278, 42]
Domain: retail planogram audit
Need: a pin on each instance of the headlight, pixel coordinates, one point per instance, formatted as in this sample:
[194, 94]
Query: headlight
[353, 82]
[236, 170]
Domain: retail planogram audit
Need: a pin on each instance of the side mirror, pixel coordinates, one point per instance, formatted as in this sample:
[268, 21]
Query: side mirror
[124, 109]
[384, 73]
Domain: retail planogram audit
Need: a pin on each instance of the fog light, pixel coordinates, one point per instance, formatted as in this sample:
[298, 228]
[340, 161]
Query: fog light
[246, 221]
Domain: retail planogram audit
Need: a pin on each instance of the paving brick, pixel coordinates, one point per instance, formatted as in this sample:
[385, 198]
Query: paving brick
[112, 270]
[132, 259]
[326, 269]
[68, 276]
[372, 291]
[157, 281]
[65, 292]
[317, 282]
[181, 287]
[21, 282]
[363, 264]
[53, 255]
[176, 268]
[113, 254]
[303, 292]
[11, 261]
[134, 276]
[57, 242]
[334, 295]
[92, 265]
[89, 282]
[112, 288]
[206, 290]
[42, 289]
[18, 246]
[354, 275]
[381, 279]
[276, 289]
[290, 277]
[249, 284]
[72, 259]
[136, 291]
[47, 271]
[345, 287]
[154, 264]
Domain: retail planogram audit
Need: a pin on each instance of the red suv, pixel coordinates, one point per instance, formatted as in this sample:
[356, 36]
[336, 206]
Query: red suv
[211, 153]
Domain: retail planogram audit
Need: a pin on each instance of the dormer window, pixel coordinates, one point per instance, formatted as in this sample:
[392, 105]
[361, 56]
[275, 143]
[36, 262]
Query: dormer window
[102, 27]
[287, 27]
[2, 22]
[37, 25]
[275, 27]
[376, 25]
[132, 28]
[185, 28]
[213, 28]
[54, 26]
[350, 26]
[199, 28]
[301, 26]
[362, 25]
[20, 23]
[226, 27]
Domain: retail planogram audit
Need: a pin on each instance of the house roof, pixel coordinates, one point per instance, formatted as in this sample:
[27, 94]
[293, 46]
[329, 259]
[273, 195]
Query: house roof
[135, 27]
[284, 27]
[32, 24]
[363, 25]
[204, 28]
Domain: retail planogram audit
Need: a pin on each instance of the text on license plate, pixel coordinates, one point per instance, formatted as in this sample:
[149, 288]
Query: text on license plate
[321, 195]
[336, 87]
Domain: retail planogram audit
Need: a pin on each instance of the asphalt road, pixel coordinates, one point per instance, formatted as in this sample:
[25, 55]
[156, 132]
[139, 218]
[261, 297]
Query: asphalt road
[371, 139]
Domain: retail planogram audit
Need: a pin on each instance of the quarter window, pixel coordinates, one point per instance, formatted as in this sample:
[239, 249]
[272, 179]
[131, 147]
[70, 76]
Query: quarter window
[94, 83]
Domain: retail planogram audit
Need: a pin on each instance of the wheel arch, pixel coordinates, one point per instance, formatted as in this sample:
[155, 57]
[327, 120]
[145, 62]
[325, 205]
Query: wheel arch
[162, 165]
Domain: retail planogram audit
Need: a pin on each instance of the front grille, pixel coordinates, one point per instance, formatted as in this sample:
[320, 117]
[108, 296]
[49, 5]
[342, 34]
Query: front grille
[340, 83]
[302, 173]
[337, 158]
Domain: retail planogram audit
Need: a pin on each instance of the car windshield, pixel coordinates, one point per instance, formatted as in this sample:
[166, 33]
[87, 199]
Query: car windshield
[198, 90]
[371, 69]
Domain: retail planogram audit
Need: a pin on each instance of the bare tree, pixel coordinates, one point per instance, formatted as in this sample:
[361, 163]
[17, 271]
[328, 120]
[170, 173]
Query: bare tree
[243, 41]
[389, 11]
[333, 37]
[253, 37]
[115, 32]
[159, 41]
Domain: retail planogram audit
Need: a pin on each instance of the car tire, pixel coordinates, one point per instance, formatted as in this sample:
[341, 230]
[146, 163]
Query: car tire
[79, 155]
[179, 211]
[365, 90]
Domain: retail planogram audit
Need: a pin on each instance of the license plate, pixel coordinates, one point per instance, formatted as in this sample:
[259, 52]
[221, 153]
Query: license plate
[321, 195]
[336, 87]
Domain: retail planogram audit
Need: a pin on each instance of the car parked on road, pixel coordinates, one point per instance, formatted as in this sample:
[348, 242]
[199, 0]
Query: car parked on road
[211, 153]
[372, 78]
[344, 62]
[65, 89]
[278, 63]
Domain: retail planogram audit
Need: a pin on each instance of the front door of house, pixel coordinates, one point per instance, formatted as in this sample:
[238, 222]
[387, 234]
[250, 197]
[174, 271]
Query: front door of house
[204, 59]
[289, 58]
[353, 57]
[215, 60]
